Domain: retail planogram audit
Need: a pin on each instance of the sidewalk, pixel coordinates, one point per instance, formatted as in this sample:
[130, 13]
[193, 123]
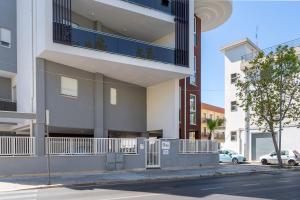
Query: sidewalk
[33, 182]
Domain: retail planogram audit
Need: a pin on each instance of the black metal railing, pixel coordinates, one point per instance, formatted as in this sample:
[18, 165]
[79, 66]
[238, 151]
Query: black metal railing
[166, 6]
[87, 38]
[7, 105]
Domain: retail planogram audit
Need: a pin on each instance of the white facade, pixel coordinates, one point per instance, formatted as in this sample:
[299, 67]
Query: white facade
[239, 135]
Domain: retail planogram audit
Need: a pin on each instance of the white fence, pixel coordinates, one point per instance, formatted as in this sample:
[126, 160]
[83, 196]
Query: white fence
[198, 146]
[90, 146]
[17, 146]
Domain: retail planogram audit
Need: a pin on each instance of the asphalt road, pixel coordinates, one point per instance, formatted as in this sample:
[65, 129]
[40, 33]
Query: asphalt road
[279, 186]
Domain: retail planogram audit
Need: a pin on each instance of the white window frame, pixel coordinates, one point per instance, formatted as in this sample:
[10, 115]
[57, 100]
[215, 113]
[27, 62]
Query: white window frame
[5, 33]
[195, 32]
[69, 91]
[231, 106]
[233, 78]
[193, 77]
[231, 133]
[193, 111]
[113, 96]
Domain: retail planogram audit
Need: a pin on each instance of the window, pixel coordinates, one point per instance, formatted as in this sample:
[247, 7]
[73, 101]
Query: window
[204, 130]
[233, 136]
[113, 96]
[234, 106]
[193, 107]
[165, 3]
[5, 37]
[69, 86]
[193, 77]
[211, 116]
[204, 115]
[234, 78]
[195, 31]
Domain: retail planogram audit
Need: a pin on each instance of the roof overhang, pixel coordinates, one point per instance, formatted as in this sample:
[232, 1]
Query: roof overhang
[212, 13]
[245, 41]
[15, 121]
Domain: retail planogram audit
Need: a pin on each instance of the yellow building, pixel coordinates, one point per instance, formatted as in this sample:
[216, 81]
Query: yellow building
[211, 112]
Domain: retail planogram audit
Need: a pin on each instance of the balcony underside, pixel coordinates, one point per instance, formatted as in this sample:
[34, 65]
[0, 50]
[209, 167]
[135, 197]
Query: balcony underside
[132, 70]
[126, 18]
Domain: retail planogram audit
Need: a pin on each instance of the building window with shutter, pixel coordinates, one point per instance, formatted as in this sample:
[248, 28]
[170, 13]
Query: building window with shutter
[69, 87]
[5, 37]
[113, 96]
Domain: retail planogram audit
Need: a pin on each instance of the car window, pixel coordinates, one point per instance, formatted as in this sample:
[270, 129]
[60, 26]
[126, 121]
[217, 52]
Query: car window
[296, 152]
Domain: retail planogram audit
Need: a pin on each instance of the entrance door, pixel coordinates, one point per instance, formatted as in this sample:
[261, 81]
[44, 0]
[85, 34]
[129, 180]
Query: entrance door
[152, 153]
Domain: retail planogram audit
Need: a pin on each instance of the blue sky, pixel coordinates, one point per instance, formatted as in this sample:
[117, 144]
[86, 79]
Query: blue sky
[277, 21]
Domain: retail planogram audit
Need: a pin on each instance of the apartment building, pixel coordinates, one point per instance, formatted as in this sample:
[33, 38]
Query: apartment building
[102, 69]
[209, 111]
[240, 136]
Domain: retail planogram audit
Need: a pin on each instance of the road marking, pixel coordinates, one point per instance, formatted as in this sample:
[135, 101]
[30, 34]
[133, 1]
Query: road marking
[250, 184]
[130, 197]
[283, 181]
[18, 195]
[212, 188]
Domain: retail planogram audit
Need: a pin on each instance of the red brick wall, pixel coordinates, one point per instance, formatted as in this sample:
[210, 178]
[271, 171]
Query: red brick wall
[192, 89]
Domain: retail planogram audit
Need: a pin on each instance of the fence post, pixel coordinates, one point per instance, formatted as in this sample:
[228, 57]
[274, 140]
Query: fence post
[95, 143]
[13, 146]
[207, 146]
[71, 146]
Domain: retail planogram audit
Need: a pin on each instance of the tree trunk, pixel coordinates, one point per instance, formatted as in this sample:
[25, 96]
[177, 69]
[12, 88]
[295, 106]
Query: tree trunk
[277, 151]
[210, 135]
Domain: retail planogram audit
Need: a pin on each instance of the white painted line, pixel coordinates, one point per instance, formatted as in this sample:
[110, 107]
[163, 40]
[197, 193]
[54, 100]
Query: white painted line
[250, 184]
[213, 188]
[32, 196]
[131, 197]
[283, 181]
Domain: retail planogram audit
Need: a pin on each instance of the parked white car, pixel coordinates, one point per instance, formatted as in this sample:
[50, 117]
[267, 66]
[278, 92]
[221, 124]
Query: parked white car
[229, 156]
[290, 157]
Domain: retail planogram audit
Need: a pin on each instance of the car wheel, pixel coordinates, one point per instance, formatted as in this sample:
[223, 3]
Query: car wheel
[292, 163]
[235, 161]
[264, 162]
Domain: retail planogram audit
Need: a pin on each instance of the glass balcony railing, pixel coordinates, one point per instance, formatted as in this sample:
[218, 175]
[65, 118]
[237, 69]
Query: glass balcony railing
[86, 38]
[165, 6]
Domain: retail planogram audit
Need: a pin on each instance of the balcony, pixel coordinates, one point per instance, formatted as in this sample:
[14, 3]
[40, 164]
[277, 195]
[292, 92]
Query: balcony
[90, 39]
[165, 6]
[8, 106]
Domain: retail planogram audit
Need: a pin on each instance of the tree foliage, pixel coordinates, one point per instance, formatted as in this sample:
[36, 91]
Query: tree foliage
[267, 80]
[213, 125]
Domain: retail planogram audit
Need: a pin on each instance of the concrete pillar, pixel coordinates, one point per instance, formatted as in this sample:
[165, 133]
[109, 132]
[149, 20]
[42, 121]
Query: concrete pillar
[163, 108]
[98, 102]
[39, 127]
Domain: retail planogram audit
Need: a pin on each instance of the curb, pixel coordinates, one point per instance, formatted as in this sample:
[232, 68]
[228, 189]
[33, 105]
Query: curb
[149, 180]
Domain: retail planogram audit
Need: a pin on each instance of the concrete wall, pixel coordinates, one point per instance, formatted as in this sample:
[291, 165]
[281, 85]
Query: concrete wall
[92, 108]
[8, 20]
[68, 111]
[5, 88]
[37, 165]
[26, 63]
[163, 108]
[176, 160]
[130, 112]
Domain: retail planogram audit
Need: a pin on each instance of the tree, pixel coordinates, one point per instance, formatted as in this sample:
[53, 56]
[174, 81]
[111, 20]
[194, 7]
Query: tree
[213, 125]
[270, 92]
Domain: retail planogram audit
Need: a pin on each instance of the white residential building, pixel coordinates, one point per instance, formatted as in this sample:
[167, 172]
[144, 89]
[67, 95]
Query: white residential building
[239, 135]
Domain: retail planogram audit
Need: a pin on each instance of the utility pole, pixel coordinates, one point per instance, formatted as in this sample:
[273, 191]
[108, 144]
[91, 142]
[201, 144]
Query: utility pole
[48, 147]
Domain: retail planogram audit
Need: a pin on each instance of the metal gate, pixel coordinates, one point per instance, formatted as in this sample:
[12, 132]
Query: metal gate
[152, 153]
